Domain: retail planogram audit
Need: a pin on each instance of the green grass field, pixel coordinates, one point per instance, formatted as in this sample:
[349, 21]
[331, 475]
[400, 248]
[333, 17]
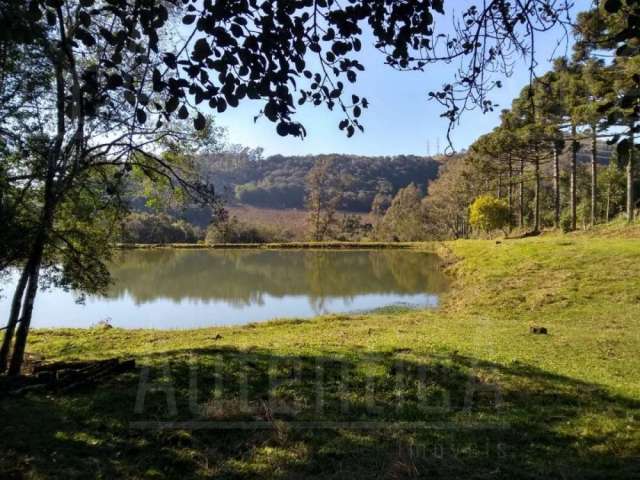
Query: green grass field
[461, 392]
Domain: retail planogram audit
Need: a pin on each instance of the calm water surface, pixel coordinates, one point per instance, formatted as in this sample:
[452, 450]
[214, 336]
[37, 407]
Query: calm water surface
[197, 288]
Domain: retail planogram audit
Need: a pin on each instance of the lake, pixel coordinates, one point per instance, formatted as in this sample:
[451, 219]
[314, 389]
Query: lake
[173, 289]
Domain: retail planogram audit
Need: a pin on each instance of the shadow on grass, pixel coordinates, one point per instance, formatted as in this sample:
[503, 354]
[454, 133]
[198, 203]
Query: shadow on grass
[224, 413]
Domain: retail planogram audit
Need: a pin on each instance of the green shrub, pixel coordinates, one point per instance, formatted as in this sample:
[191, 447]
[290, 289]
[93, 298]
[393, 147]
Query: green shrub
[488, 213]
[233, 230]
[352, 228]
[158, 228]
[565, 220]
[583, 216]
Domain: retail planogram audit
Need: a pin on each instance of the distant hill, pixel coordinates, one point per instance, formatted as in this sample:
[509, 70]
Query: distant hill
[278, 182]
[272, 190]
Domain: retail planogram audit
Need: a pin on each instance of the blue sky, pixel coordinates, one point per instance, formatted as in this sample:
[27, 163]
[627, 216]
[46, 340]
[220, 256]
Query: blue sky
[400, 119]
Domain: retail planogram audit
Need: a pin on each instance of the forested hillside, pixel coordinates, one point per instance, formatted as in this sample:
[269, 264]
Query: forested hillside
[564, 156]
[279, 181]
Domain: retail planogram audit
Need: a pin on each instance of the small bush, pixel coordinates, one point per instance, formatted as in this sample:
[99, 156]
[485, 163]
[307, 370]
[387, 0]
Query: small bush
[488, 213]
[583, 215]
[565, 220]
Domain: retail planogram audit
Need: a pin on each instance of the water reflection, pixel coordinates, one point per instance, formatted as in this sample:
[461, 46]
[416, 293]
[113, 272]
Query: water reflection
[241, 277]
[190, 288]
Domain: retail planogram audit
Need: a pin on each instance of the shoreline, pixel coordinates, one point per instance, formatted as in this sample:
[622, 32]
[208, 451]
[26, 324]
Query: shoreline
[279, 246]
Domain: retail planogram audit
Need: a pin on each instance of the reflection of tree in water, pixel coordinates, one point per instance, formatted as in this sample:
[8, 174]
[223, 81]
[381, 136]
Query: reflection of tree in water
[243, 277]
[414, 274]
[319, 304]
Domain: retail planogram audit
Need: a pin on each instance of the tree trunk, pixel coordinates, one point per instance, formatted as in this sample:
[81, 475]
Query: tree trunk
[630, 159]
[573, 177]
[25, 320]
[536, 213]
[608, 210]
[33, 273]
[594, 173]
[521, 194]
[510, 192]
[34, 262]
[556, 186]
[13, 318]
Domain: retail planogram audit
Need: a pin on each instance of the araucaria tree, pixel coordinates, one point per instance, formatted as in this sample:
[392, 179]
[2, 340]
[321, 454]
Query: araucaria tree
[581, 102]
[611, 29]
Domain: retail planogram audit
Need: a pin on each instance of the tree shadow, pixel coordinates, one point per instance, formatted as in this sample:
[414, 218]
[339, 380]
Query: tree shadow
[226, 413]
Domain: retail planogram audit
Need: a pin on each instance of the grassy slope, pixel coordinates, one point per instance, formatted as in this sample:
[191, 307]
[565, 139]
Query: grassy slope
[569, 401]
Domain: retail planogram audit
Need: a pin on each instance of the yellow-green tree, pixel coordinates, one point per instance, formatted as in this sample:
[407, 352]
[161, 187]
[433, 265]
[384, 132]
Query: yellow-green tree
[488, 213]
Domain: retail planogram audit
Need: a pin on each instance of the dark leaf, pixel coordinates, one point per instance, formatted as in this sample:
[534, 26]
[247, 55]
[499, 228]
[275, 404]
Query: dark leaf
[170, 60]
[236, 30]
[282, 129]
[171, 105]
[85, 37]
[199, 122]
[628, 101]
[201, 50]
[271, 112]
[51, 18]
[141, 116]
[156, 79]
[130, 97]
[623, 148]
[612, 6]
[114, 81]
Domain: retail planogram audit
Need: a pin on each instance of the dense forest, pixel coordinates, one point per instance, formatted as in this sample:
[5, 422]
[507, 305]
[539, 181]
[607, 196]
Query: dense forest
[280, 181]
[243, 178]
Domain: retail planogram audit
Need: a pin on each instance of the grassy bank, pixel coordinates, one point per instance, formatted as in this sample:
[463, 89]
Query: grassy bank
[462, 392]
